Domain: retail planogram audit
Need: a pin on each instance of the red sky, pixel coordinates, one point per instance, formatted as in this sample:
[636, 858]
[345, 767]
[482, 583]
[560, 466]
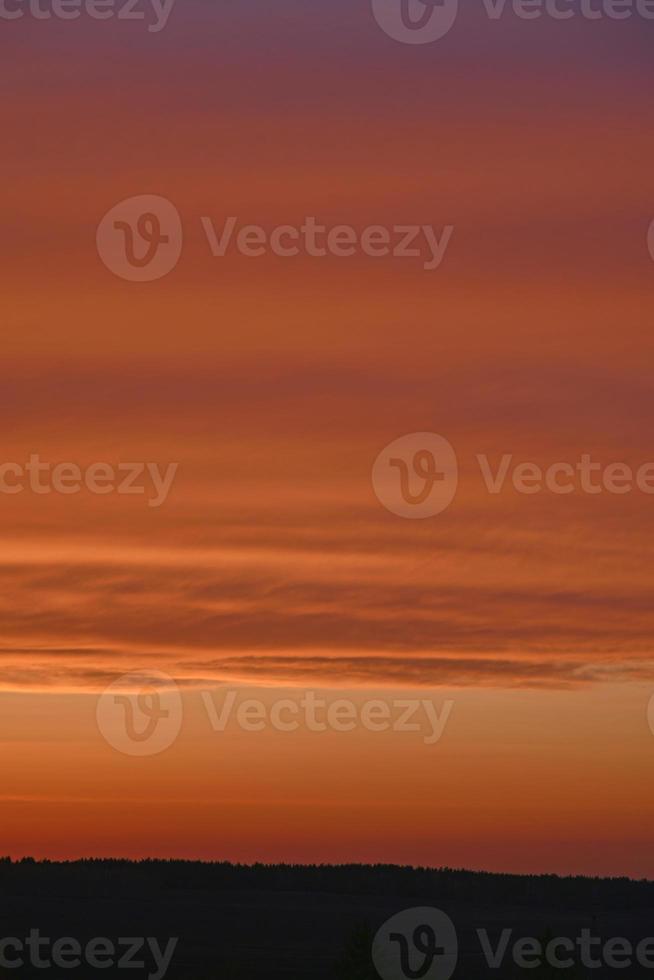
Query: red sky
[274, 383]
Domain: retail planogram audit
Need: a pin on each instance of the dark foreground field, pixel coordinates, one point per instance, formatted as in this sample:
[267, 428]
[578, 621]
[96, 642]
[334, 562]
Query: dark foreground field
[296, 923]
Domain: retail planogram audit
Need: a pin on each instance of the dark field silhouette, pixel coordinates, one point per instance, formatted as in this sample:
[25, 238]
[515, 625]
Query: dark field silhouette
[285, 922]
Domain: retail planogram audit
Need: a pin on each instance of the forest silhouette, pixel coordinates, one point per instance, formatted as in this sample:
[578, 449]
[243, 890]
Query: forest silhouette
[268, 922]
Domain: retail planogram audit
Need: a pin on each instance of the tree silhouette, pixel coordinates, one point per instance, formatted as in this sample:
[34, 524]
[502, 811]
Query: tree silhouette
[355, 963]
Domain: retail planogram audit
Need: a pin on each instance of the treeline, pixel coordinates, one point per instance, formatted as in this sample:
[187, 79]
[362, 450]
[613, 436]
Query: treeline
[108, 876]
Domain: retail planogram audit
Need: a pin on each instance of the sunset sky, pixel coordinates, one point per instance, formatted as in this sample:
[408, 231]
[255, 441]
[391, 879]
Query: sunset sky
[275, 382]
